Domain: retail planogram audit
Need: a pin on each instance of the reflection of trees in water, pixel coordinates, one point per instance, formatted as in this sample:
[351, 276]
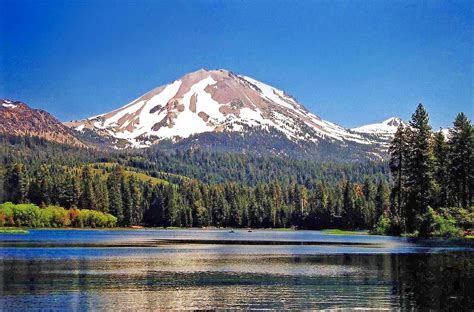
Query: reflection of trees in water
[410, 281]
[435, 281]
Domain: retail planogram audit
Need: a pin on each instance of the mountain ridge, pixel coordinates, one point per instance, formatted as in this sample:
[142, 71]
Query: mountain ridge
[17, 118]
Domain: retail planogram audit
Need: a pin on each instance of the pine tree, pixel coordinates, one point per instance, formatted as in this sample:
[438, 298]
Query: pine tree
[16, 184]
[348, 214]
[2, 185]
[147, 198]
[73, 191]
[320, 212]
[87, 199]
[154, 216]
[440, 153]
[232, 194]
[398, 155]
[253, 211]
[170, 206]
[114, 186]
[368, 190]
[382, 200]
[461, 160]
[136, 196]
[420, 167]
[219, 207]
[35, 194]
[276, 204]
[101, 195]
[126, 202]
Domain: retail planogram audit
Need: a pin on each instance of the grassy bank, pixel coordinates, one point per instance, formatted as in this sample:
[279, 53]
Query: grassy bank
[343, 232]
[13, 230]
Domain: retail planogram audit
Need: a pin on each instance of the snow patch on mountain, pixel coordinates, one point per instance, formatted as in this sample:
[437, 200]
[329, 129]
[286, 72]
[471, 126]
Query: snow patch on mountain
[388, 126]
[8, 104]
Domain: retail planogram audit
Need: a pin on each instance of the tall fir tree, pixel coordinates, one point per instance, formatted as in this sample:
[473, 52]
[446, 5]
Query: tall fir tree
[16, 183]
[87, 199]
[126, 202]
[398, 155]
[136, 196]
[368, 204]
[440, 153]
[420, 183]
[382, 200]
[461, 160]
[114, 186]
[348, 209]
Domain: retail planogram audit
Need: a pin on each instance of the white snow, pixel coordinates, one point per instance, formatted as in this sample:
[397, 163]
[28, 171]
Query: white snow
[9, 105]
[187, 122]
[388, 126]
[269, 92]
[204, 101]
[445, 132]
[250, 114]
[328, 129]
[80, 128]
[147, 120]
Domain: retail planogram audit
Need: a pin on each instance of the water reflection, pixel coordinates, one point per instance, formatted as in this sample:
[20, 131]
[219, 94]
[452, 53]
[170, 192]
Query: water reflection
[439, 281]
[203, 276]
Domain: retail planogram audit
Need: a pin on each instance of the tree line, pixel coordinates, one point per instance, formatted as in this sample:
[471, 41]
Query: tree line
[205, 166]
[190, 202]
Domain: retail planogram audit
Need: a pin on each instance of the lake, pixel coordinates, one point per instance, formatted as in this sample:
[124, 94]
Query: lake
[215, 269]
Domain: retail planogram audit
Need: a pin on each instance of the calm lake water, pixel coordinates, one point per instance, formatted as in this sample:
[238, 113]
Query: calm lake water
[215, 269]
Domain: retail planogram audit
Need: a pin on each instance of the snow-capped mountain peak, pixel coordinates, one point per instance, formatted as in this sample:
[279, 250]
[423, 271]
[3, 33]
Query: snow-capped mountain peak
[214, 101]
[388, 126]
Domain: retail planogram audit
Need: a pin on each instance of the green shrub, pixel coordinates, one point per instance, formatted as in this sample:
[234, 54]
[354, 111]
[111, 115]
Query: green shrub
[30, 215]
[434, 224]
[463, 217]
[382, 227]
[6, 211]
[55, 216]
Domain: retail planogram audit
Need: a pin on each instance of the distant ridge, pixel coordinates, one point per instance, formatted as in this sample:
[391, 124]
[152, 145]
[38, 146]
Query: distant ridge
[17, 118]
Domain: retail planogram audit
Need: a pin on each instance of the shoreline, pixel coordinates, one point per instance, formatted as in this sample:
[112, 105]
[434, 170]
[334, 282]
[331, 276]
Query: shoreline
[337, 232]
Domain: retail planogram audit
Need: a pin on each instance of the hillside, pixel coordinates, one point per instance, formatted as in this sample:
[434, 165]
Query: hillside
[17, 118]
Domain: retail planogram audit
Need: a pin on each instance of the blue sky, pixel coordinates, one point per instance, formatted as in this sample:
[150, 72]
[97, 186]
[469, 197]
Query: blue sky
[351, 62]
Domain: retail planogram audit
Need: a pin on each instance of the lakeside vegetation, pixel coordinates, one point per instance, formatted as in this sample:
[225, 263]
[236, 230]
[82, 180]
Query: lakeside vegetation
[425, 189]
[13, 230]
[344, 232]
[32, 216]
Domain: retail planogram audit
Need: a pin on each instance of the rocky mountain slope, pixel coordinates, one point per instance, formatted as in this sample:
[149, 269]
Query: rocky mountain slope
[17, 118]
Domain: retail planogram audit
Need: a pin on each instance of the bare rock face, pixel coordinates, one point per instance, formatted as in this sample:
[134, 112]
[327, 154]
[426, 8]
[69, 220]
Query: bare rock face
[17, 118]
[215, 101]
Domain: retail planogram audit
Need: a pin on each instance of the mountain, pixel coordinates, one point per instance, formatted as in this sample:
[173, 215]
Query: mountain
[220, 106]
[384, 130]
[17, 118]
[387, 126]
